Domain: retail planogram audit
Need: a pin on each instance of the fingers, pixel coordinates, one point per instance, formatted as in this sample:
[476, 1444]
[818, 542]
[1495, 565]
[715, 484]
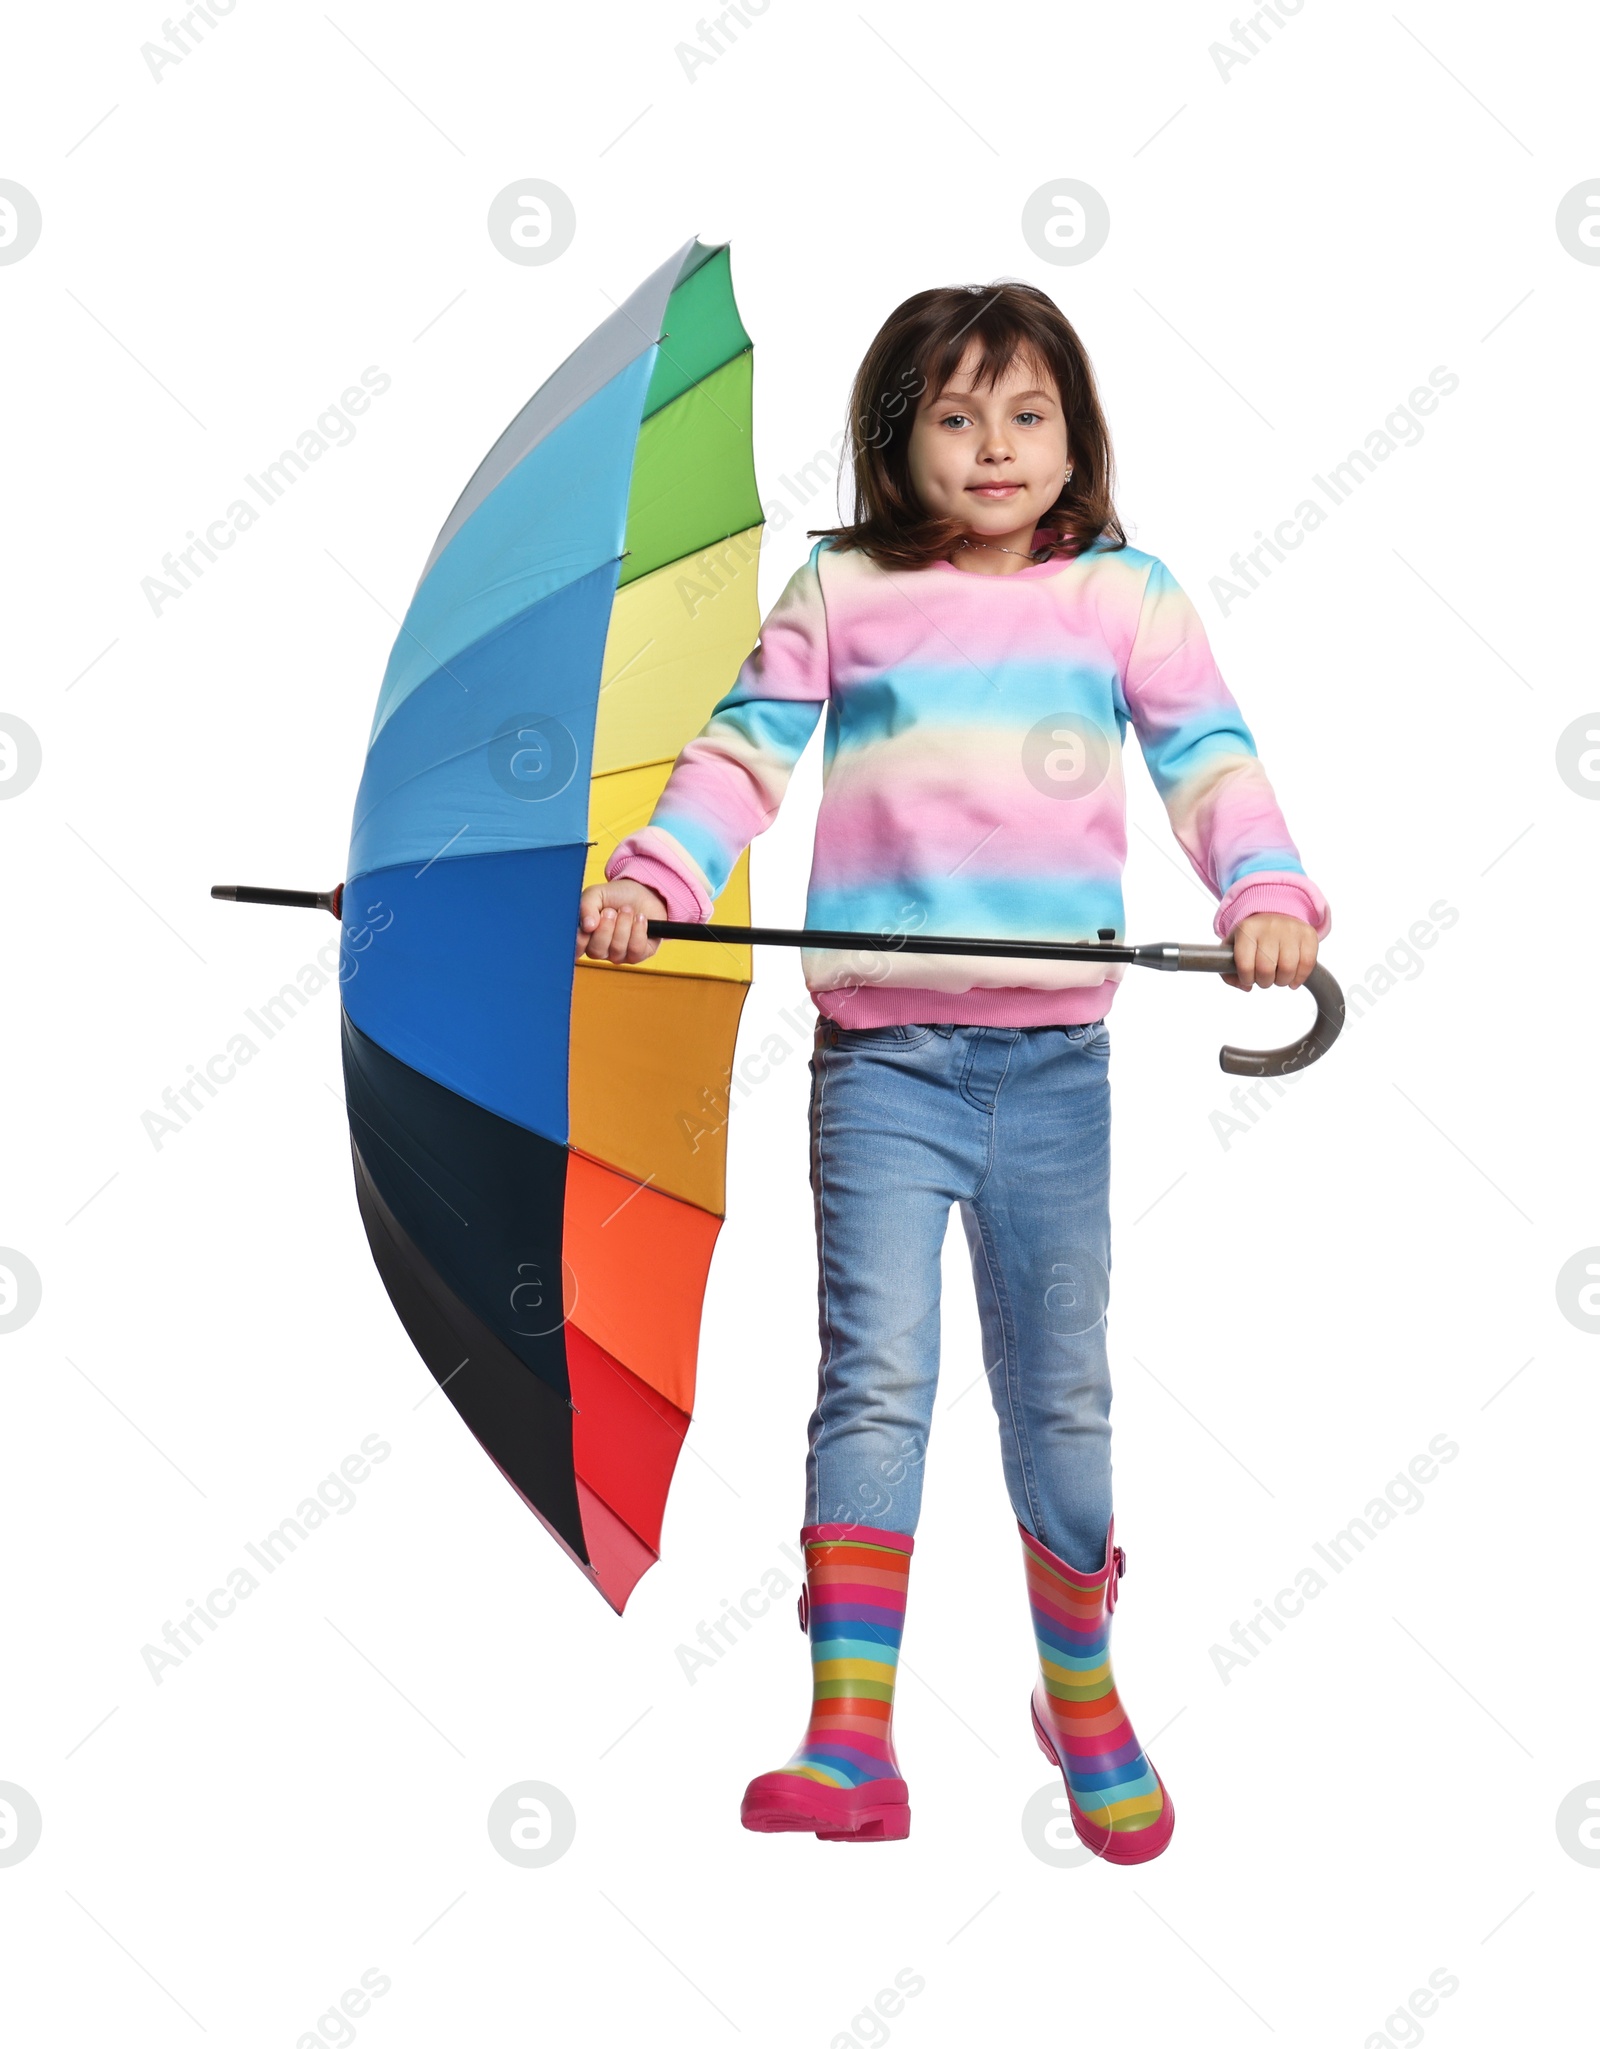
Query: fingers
[602, 935]
[1261, 961]
[629, 941]
[1272, 953]
[588, 917]
[612, 924]
[591, 909]
[619, 936]
[1292, 958]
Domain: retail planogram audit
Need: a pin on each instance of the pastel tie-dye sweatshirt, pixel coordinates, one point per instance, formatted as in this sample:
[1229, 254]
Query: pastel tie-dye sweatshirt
[972, 776]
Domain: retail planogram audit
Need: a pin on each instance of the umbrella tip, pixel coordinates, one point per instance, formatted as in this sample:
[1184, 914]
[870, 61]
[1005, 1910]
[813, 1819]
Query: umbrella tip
[299, 899]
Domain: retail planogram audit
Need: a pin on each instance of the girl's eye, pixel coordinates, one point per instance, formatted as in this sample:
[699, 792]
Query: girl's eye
[948, 417]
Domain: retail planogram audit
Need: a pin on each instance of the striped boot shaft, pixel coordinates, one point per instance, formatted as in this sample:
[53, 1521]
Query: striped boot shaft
[853, 1609]
[1108, 1776]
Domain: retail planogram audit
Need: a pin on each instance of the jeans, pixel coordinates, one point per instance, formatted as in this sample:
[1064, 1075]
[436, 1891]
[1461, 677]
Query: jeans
[1014, 1124]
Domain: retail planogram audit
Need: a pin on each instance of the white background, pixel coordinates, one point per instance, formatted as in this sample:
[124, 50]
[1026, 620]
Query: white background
[1294, 1314]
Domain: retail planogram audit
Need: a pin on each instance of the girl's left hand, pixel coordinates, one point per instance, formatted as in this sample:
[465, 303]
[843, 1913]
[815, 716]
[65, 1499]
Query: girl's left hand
[1272, 951]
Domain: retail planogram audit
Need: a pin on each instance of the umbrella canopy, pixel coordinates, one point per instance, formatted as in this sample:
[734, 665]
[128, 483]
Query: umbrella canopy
[538, 1147]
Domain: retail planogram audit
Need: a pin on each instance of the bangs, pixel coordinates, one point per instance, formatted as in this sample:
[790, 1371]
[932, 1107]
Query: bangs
[1001, 340]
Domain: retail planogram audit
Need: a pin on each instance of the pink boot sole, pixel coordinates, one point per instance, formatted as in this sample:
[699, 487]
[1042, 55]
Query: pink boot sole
[1112, 1845]
[780, 1802]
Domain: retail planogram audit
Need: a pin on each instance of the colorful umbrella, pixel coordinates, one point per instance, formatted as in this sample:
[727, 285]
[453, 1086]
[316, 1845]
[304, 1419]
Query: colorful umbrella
[539, 1148]
[526, 1135]
[519, 1125]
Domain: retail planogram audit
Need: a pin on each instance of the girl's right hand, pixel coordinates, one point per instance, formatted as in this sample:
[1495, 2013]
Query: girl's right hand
[611, 920]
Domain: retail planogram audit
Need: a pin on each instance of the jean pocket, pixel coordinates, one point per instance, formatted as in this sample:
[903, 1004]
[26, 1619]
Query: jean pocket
[1094, 1037]
[884, 1035]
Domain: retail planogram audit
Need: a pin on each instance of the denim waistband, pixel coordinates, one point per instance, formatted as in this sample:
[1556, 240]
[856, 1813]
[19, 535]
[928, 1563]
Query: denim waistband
[827, 1033]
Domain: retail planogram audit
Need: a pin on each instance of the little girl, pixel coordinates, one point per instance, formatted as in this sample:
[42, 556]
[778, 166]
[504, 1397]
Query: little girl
[982, 634]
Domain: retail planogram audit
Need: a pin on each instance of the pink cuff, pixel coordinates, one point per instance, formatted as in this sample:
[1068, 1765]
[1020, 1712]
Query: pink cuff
[1292, 896]
[685, 903]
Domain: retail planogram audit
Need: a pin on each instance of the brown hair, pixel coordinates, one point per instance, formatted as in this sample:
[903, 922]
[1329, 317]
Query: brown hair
[917, 348]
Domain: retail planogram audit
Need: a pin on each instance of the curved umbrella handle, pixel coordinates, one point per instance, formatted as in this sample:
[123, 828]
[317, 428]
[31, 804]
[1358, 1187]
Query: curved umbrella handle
[1269, 1060]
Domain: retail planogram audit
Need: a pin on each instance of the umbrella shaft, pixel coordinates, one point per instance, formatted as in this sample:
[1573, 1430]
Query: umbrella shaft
[929, 942]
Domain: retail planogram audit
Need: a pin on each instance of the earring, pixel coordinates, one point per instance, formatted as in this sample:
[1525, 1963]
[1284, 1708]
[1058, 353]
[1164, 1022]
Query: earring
[1066, 475]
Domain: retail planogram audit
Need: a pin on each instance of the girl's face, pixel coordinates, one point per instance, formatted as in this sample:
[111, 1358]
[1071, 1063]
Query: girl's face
[992, 458]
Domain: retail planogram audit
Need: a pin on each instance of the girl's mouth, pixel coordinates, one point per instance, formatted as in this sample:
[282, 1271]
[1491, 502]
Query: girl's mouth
[994, 490]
